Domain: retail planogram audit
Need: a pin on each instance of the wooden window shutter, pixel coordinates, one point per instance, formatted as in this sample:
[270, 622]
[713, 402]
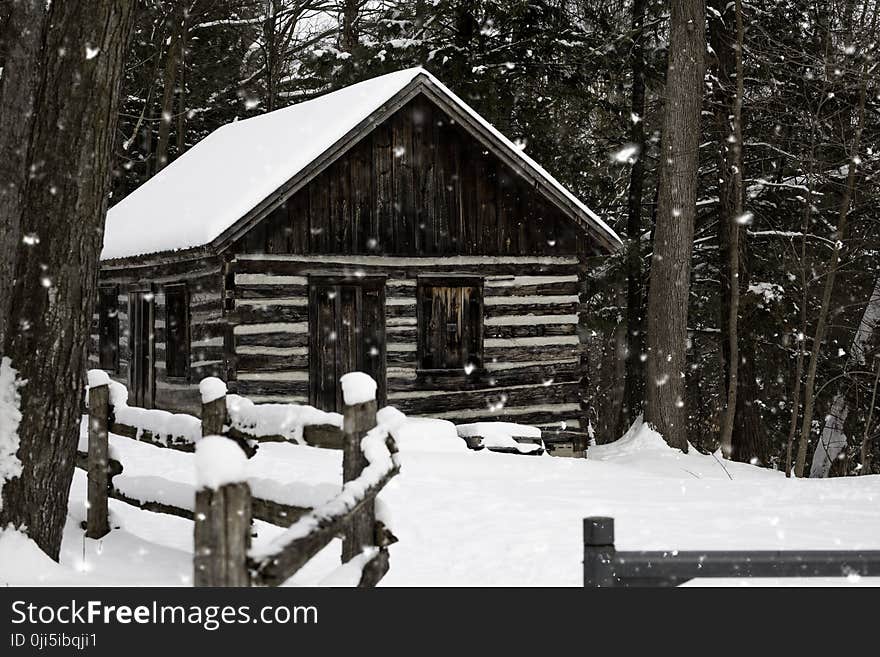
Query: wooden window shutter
[450, 323]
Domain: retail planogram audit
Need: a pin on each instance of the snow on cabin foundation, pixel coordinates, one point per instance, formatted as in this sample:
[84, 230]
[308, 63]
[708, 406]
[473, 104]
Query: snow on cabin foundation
[503, 436]
[420, 434]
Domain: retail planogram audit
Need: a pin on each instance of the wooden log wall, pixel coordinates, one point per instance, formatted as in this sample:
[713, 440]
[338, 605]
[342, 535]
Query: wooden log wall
[531, 346]
[417, 184]
[207, 324]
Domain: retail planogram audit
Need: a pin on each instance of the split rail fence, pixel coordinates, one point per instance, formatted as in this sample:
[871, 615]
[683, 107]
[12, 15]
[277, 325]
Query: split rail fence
[222, 517]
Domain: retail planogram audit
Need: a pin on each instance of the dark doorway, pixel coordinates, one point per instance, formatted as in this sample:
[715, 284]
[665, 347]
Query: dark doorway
[142, 376]
[346, 334]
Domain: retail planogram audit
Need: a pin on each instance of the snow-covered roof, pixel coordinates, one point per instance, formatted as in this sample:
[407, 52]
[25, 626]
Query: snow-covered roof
[201, 194]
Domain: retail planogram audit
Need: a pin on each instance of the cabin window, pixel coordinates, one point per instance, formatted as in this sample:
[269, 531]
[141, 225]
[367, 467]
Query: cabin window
[176, 331]
[450, 316]
[108, 328]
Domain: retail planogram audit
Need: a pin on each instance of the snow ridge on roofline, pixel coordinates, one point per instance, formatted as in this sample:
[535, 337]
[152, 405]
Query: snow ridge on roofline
[207, 190]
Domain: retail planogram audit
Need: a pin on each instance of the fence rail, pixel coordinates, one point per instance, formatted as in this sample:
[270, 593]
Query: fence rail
[351, 515]
[222, 517]
[604, 566]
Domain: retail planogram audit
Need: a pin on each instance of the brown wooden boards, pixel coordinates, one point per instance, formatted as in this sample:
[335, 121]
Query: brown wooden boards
[142, 382]
[347, 334]
[417, 183]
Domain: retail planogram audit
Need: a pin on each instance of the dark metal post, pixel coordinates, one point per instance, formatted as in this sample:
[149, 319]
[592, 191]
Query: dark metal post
[599, 552]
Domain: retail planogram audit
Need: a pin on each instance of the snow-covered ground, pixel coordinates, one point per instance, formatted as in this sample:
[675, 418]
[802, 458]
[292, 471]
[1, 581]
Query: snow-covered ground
[477, 518]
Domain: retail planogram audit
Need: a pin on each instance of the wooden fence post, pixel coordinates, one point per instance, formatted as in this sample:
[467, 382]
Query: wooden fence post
[222, 536]
[358, 419]
[97, 522]
[213, 411]
[599, 552]
[215, 414]
[222, 515]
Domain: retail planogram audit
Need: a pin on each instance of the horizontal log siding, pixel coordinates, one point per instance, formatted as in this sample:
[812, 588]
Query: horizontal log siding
[207, 323]
[531, 347]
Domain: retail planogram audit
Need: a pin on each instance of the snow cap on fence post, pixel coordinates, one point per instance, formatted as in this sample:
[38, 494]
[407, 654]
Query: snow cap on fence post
[98, 378]
[357, 388]
[219, 461]
[222, 514]
[213, 392]
[211, 389]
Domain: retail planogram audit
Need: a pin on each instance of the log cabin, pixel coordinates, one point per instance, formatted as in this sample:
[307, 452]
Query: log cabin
[385, 227]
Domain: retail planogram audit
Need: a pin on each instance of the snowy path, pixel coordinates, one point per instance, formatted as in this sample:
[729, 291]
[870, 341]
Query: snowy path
[475, 518]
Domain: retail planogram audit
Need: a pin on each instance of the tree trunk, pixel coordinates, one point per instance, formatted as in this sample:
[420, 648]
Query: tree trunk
[169, 85]
[20, 43]
[750, 443]
[831, 276]
[743, 436]
[832, 440]
[270, 25]
[181, 89]
[463, 40]
[673, 236]
[612, 422]
[732, 221]
[62, 205]
[806, 222]
[867, 436]
[348, 38]
[634, 382]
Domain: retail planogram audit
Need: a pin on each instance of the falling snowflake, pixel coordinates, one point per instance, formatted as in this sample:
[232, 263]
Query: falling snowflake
[627, 154]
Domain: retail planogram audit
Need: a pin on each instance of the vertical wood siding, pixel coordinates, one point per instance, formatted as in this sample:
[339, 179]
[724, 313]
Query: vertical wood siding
[417, 184]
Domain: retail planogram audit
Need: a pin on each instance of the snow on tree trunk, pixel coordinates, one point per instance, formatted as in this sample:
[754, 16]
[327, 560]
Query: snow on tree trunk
[832, 442]
[10, 418]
